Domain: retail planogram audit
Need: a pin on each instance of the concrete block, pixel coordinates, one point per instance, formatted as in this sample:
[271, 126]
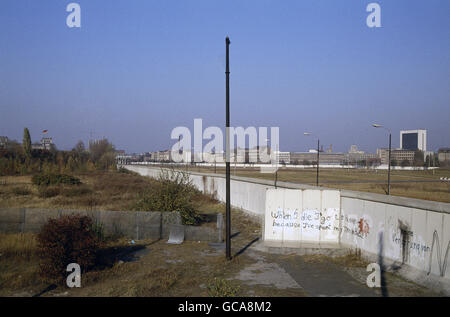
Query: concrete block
[118, 223]
[351, 211]
[435, 242]
[172, 218]
[176, 235]
[446, 244]
[168, 219]
[11, 215]
[329, 218]
[273, 225]
[397, 229]
[10, 227]
[148, 225]
[93, 214]
[239, 192]
[311, 215]
[35, 218]
[292, 226]
[418, 250]
[370, 225]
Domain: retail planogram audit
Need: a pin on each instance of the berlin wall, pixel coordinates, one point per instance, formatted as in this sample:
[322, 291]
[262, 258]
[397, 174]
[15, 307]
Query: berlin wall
[403, 231]
[417, 236]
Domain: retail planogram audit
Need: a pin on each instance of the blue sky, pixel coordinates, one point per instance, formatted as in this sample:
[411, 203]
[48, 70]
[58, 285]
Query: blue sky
[137, 69]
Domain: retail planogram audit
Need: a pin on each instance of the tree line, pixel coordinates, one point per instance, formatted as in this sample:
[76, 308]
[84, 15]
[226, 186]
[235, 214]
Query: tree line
[22, 159]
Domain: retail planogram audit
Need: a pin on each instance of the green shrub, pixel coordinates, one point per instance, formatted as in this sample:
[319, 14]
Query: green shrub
[54, 179]
[69, 239]
[222, 288]
[172, 192]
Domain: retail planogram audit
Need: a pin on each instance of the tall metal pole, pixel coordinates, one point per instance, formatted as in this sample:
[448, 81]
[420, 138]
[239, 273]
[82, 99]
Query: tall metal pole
[227, 163]
[389, 166]
[318, 157]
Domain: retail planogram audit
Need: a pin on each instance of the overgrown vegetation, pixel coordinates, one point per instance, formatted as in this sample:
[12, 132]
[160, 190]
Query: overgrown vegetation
[69, 239]
[21, 246]
[54, 179]
[100, 190]
[173, 191]
[111, 190]
[219, 287]
[18, 262]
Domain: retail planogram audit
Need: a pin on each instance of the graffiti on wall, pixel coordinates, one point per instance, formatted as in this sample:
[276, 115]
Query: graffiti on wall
[307, 219]
[442, 265]
[285, 218]
[316, 220]
[409, 244]
[355, 225]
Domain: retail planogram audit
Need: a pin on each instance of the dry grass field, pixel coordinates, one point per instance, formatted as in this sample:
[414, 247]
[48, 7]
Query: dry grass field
[414, 184]
[98, 191]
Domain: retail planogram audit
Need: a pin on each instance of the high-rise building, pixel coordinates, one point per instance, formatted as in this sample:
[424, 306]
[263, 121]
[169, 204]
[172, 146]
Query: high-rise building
[413, 140]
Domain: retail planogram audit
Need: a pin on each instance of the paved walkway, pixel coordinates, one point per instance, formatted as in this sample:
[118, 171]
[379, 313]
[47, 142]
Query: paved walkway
[318, 275]
[324, 279]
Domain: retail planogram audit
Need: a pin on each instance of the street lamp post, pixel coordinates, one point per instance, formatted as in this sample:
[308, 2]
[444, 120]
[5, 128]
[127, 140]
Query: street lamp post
[277, 150]
[318, 162]
[389, 165]
[318, 158]
[389, 155]
[227, 163]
